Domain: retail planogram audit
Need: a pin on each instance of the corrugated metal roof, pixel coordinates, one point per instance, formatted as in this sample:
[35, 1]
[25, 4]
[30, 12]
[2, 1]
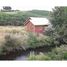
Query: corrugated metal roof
[39, 21]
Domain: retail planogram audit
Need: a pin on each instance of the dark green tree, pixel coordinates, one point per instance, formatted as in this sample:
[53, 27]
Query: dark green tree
[59, 21]
[7, 8]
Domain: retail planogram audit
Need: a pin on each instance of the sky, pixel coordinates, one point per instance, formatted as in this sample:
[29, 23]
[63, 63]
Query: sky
[32, 4]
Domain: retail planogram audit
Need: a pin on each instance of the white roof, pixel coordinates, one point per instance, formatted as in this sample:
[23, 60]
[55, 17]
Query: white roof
[39, 21]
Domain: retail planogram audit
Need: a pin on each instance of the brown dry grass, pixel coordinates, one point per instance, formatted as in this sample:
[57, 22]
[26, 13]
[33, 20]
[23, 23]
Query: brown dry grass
[16, 30]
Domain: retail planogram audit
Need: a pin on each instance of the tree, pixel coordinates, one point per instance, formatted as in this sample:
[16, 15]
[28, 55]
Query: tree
[7, 8]
[59, 21]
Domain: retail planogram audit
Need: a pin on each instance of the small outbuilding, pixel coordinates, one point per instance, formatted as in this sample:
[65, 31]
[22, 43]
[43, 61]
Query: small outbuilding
[36, 24]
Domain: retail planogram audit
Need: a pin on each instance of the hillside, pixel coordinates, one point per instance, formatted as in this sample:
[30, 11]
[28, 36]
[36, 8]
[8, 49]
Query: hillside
[33, 13]
[17, 18]
[37, 13]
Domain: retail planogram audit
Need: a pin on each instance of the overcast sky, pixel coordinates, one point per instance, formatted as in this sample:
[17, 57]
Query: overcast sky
[33, 4]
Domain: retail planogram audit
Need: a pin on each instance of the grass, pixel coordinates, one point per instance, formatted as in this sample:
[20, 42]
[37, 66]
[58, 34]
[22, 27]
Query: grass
[11, 30]
[40, 57]
[19, 33]
[12, 38]
[58, 53]
[16, 30]
[15, 37]
[20, 36]
[6, 29]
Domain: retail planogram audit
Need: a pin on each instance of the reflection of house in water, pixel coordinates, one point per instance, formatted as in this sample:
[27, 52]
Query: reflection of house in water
[36, 24]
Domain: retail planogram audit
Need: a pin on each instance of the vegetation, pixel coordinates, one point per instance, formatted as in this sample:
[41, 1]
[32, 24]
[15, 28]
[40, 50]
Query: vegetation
[17, 39]
[6, 8]
[41, 56]
[58, 53]
[41, 40]
[11, 19]
[59, 22]
[38, 13]
[12, 42]
[58, 35]
[17, 18]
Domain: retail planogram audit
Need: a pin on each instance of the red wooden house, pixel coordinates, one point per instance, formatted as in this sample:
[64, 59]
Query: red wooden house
[36, 24]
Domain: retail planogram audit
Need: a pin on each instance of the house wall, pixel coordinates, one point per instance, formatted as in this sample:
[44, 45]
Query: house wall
[30, 27]
[39, 29]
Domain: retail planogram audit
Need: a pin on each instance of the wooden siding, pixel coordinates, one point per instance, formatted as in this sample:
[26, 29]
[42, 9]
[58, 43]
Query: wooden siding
[30, 27]
[39, 29]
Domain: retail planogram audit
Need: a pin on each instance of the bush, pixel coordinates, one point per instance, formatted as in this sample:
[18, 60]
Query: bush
[65, 56]
[32, 41]
[59, 53]
[41, 56]
[13, 42]
[9, 45]
[36, 41]
[19, 41]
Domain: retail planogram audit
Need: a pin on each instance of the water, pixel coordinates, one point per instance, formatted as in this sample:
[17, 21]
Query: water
[21, 58]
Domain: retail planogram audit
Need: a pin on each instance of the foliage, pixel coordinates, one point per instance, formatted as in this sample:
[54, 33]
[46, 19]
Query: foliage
[38, 13]
[59, 21]
[41, 56]
[59, 16]
[17, 18]
[13, 42]
[6, 8]
[32, 40]
[11, 19]
[37, 41]
[59, 53]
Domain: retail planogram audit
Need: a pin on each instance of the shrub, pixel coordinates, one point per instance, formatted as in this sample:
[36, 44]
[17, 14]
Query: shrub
[65, 56]
[41, 56]
[19, 41]
[59, 53]
[49, 41]
[36, 41]
[13, 42]
[32, 40]
[9, 45]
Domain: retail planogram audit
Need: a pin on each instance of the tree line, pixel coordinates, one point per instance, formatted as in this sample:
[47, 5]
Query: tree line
[16, 19]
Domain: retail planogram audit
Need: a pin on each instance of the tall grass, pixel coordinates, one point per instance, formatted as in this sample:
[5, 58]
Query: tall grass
[12, 38]
[16, 38]
[13, 42]
[40, 56]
